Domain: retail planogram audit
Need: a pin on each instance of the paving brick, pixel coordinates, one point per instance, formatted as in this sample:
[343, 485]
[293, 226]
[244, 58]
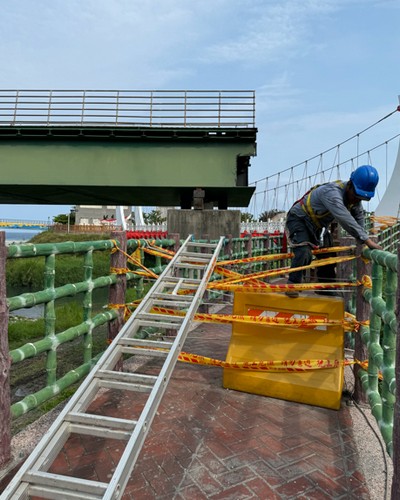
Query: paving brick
[295, 487]
[235, 477]
[206, 481]
[239, 492]
[192, 492]
[326, 484]
[261, 489]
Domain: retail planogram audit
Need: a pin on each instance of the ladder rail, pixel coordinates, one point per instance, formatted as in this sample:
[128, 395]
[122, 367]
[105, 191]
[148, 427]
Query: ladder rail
[134, 445]
[117, 484]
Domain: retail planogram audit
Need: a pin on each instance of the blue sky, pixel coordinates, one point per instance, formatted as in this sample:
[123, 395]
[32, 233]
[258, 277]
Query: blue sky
[323, 70]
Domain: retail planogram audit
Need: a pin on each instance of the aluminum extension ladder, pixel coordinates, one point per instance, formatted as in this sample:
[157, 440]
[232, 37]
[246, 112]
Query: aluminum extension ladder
[181, 287]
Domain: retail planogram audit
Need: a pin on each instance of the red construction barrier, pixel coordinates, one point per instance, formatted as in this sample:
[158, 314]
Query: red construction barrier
[146, 235]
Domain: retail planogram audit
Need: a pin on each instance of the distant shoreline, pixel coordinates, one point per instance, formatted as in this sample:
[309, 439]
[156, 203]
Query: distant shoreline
[18, 236]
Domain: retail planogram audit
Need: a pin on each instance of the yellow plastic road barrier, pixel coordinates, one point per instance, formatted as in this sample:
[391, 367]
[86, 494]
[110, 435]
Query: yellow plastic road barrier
[258, 342]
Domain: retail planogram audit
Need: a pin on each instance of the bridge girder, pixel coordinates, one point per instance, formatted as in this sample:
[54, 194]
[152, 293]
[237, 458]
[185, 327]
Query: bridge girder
[125, 165]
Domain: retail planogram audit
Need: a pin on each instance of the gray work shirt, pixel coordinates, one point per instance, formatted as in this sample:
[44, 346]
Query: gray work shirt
[329, 199]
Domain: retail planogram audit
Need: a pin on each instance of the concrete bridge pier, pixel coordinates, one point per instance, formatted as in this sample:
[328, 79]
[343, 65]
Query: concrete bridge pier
[204, 224]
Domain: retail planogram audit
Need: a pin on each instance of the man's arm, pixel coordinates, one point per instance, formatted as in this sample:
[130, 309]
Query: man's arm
[372, 245]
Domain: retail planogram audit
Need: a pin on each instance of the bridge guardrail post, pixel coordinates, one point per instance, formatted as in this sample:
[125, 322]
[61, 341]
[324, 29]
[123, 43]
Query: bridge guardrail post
[5, 363]
[396, 416]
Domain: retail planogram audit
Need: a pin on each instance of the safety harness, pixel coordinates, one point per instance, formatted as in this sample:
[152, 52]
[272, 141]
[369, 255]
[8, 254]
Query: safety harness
[305, 203]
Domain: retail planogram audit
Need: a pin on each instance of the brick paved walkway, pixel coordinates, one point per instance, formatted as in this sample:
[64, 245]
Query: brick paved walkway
[207, 442]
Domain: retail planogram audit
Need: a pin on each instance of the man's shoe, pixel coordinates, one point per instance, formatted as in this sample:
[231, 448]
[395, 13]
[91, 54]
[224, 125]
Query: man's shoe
[293, 294]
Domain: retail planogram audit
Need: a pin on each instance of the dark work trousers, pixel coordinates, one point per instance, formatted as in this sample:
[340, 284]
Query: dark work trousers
[302, 237]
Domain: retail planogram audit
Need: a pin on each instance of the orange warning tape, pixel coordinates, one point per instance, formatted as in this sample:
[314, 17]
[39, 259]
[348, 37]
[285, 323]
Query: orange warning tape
[349, 324]
[278, 272]
[136, 262]
[291, 365]
[281, 256]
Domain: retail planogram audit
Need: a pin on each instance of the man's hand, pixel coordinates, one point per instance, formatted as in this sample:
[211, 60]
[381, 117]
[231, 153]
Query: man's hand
[372, 245]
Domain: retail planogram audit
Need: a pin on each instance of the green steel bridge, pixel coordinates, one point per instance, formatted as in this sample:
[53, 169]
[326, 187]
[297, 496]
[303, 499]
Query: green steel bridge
[126, 147]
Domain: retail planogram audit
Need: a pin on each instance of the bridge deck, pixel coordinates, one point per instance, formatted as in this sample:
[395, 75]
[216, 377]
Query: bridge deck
[126, 148]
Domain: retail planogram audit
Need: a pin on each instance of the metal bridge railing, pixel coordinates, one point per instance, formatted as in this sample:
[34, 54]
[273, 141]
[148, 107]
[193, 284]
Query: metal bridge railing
[149, 108]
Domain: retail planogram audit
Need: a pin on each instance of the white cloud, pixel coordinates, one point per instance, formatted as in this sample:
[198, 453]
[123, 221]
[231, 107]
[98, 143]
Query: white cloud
[271, 31]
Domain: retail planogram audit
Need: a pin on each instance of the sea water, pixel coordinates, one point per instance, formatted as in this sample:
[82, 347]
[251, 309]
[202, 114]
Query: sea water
[16, 236]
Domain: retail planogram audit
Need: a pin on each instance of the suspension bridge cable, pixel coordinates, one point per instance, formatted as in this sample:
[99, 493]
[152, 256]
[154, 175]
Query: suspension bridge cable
[340, 144]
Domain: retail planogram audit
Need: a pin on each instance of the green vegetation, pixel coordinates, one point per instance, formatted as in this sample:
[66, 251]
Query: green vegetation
[247, 217]
[28, 272]
[30, 375]
[270, 214]
[153, 217]
[65, 218]
[23, 330]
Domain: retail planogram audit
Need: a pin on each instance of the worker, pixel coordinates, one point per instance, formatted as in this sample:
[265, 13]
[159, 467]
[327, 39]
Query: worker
[326, 203]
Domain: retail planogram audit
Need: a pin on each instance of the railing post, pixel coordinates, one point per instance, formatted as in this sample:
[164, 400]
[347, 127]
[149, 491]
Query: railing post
[362, 314]
[249, 245]
[118, 291]
[5, 400]
[396, 418]
[226, 297]
[176, 238]
[345, 271]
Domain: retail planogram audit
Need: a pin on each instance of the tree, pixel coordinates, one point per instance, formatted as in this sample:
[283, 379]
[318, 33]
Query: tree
[153, 217]
[247, 217]
[269, 214]
[63, 218]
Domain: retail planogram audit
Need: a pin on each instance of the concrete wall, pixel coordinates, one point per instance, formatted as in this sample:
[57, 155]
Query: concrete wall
[204, 224]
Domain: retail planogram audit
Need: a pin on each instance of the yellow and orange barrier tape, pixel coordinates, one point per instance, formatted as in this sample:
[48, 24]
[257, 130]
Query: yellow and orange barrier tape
[277, 272]
[281, 256]
[299, 365]
[145, 271]
[349, 324]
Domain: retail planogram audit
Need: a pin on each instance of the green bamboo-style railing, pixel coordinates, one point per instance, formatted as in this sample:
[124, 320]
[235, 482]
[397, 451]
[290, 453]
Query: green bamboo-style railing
[52, 340]
[379, 337]
[379, 381]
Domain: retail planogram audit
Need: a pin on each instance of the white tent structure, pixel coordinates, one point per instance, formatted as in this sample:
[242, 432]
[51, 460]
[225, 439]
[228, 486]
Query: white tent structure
[390, 202]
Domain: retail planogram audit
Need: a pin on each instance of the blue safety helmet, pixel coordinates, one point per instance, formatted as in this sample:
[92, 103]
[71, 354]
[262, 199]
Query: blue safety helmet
[365, 179]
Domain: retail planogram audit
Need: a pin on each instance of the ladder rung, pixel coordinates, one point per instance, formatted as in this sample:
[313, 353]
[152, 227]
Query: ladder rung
[124, 386]
[159, 324]
[126, 377]
[185, 281]
[89, 430]
[170, 303]
[198, 244]
[146, 343]
[172, 297]
[57, 493]
[100, 420]
[154, 317]
[186, 265]
[144, 352]
[200, 255]
[193, 260]
[36, 478]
